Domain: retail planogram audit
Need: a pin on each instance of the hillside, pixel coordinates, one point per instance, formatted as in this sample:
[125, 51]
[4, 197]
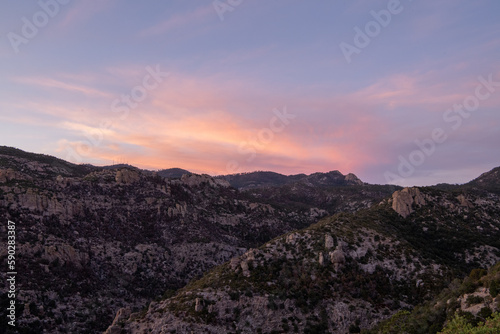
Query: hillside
[346, 273]
[332, 192]
[261, 179]
[463, 304]
[172, 173]
[489, 181]
[92, 240]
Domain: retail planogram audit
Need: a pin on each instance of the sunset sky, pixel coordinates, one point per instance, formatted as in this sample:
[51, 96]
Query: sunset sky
[406, 92]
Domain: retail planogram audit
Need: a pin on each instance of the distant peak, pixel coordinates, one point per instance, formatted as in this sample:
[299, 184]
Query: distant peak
[352, 178]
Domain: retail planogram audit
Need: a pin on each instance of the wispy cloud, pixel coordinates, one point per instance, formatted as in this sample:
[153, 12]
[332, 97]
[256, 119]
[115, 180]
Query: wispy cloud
[81, 11]
[179, 20]
[53, 83]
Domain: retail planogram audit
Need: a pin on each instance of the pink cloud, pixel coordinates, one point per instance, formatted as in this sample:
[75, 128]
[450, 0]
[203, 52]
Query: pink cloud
[201, 123]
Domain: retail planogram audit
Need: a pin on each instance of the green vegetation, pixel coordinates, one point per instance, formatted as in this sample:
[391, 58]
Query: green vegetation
[431, 317]
[460, 325]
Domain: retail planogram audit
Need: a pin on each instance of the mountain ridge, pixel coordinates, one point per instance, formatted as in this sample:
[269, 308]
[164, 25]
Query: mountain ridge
[348, 271]
[92, 240]
[96, 240]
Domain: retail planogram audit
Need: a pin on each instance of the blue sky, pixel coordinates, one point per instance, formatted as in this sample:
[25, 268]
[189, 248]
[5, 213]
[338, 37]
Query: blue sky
[233, 86]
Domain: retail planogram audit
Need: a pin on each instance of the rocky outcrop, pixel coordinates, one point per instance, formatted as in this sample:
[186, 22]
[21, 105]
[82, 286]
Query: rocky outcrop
[484, 300]
[65, 254]
[321, 259]
[9, 174]
[353, 179]
[244, 268]
[404, 200]
[127, 176]
[328, 241]
[195, 180]
[291, 238]
[198, 307]
[337, 257]
[464, 202]
[122, 315]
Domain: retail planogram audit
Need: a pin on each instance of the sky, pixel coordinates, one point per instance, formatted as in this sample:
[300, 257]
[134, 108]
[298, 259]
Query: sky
[403, 92]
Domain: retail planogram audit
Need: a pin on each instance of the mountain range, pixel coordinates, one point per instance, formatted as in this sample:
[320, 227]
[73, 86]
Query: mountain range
[125, 250]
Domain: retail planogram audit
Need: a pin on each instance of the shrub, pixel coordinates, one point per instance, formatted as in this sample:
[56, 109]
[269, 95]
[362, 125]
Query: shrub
[473, 300]
[484, 313]
[459, 325]
[476, 274]
[494, 288]
[354, 329]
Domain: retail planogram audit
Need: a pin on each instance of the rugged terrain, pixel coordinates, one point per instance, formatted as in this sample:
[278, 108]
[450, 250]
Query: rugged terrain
[344, 274]
[472, 300]
[91, 240]
[264, 179]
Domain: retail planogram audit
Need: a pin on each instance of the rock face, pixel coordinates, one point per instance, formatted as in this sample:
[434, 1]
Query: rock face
[195, 180]
[10, 174]
[120, 317]
[337, 257]
[328, 241]
[127, 176]
[353, 179]
[404, 200]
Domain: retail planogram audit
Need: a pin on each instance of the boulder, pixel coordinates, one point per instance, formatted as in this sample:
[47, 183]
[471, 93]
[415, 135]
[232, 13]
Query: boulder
[404, 200]
[198, 307]
[321, 259]
[337, 257]
[464, 202]
[328, 241]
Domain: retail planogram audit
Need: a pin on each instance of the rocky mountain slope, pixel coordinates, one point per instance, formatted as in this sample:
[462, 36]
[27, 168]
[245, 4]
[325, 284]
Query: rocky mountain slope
[173, 173]
[332, 191]
[92, 240]
[474, 300]
[263, 179]
[489, 181]
[346, 273]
